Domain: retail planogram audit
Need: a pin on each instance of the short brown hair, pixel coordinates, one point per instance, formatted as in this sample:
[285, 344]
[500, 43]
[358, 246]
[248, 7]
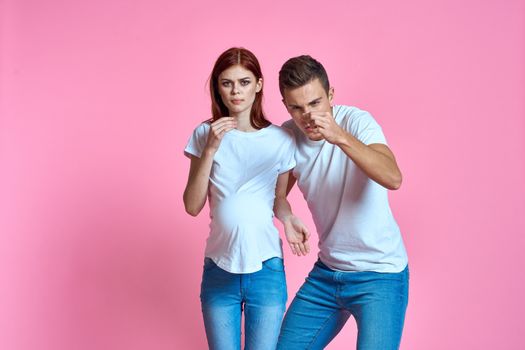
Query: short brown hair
[301, 70]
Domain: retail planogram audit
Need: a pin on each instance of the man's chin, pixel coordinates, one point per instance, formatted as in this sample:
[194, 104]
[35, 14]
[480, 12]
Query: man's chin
[314, 136]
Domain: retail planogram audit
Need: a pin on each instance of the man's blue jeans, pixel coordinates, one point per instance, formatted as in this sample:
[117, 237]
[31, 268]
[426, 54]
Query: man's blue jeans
[328, 298]
[261, 294]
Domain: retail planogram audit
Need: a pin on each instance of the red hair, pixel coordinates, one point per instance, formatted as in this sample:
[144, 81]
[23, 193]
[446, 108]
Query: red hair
[232, 57]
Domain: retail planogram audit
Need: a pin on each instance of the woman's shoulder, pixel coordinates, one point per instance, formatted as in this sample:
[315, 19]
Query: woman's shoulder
[202, 128]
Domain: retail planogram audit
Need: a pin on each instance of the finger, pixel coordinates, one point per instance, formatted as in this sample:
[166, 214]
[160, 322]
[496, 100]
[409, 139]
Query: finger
[306, 234]
[321, 122]
[223, 120]
[219, 131]
[231, 124]
[307, 247]
[292, 247]
[302, 248]
[218, 128]
[320, 115]
[223, 131]
[297, 249]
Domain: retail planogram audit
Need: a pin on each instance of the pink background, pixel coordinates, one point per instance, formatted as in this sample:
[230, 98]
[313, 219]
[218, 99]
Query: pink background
[98, 99]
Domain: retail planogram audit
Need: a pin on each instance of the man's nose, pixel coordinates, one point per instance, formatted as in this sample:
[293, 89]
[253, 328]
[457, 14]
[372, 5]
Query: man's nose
[306, 113]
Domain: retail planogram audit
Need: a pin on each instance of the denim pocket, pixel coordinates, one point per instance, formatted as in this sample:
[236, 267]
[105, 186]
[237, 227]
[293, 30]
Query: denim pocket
[209, 264]
[274, 264]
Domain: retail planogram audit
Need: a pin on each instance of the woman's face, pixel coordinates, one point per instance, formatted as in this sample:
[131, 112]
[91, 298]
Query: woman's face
[238, 87]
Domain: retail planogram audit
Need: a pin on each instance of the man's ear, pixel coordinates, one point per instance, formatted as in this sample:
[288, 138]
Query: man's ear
[330, 95]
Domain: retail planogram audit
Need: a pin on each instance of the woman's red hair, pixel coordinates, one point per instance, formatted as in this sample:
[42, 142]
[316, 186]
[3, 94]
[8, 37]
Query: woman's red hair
[246, 59]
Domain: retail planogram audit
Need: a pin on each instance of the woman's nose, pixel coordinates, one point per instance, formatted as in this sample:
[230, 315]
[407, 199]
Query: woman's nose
[235, 89]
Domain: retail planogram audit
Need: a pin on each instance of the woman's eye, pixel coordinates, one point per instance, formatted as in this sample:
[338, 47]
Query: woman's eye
[225, 83]
[245, 82]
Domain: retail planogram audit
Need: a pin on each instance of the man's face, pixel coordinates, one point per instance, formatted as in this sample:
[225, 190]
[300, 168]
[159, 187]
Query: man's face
[301, 102]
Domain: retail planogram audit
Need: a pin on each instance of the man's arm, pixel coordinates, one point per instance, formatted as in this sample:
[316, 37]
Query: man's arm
[291, 182]
[296, 232]
[376, 160]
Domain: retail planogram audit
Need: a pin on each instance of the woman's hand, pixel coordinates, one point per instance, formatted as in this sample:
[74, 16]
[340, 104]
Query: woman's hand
[297, 235]
[217, 130]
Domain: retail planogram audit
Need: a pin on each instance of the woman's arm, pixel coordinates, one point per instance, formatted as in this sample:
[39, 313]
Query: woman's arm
[200, 168]
[198, 180]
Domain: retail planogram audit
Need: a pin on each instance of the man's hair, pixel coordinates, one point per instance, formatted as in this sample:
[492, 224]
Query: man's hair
[301, 70]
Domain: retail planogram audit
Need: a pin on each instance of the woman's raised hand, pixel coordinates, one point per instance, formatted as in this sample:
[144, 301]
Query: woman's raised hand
[217, 130]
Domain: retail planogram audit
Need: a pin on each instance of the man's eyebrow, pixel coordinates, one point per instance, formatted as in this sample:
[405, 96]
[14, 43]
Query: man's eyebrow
[316, 100]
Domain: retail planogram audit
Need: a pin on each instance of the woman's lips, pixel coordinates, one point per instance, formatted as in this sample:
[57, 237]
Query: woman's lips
[237, 102]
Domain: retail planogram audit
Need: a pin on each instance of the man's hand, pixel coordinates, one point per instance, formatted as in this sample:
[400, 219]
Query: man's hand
[325, 125]
[297, 235]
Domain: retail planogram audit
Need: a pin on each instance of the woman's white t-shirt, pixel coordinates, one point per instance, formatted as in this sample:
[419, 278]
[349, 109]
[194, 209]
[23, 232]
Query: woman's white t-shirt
[241, 194]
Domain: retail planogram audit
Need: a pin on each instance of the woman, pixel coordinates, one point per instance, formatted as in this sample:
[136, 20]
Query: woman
[240, 161]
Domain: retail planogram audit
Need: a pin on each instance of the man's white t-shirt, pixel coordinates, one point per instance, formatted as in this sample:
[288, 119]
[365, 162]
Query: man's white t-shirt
[357, 231]
[241, 194]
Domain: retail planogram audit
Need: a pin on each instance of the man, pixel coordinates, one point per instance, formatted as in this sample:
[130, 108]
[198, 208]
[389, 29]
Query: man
[344, 168]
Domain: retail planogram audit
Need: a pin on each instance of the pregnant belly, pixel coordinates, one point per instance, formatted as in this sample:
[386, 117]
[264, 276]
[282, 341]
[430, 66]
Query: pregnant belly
[241, 212]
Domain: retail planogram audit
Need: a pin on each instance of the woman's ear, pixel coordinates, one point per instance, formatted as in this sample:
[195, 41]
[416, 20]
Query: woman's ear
[259, 85]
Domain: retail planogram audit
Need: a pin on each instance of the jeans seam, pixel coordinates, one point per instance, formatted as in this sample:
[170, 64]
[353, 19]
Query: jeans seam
[321, 328]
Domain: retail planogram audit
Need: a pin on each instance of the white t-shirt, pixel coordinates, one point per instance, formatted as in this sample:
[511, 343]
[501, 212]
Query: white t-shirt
[242, 193]
[357, 231]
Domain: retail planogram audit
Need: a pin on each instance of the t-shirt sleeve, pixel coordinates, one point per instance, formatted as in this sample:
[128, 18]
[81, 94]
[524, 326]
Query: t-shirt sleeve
[197, 141]
[367, 130]
[288, 159]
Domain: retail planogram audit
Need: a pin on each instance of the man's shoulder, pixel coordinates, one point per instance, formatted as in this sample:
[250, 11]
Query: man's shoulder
[352, 118]
[350, 112]
[280, 132]
[288, 125]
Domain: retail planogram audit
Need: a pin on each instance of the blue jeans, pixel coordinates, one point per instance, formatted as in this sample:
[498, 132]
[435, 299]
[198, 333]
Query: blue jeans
[261, 294]
[328, 298]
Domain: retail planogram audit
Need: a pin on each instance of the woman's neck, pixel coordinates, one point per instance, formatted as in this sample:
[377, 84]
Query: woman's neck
[243, 121]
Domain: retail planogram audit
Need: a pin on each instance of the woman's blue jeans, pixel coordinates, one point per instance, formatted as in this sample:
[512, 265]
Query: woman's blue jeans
[328, 298]
[262, 295]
